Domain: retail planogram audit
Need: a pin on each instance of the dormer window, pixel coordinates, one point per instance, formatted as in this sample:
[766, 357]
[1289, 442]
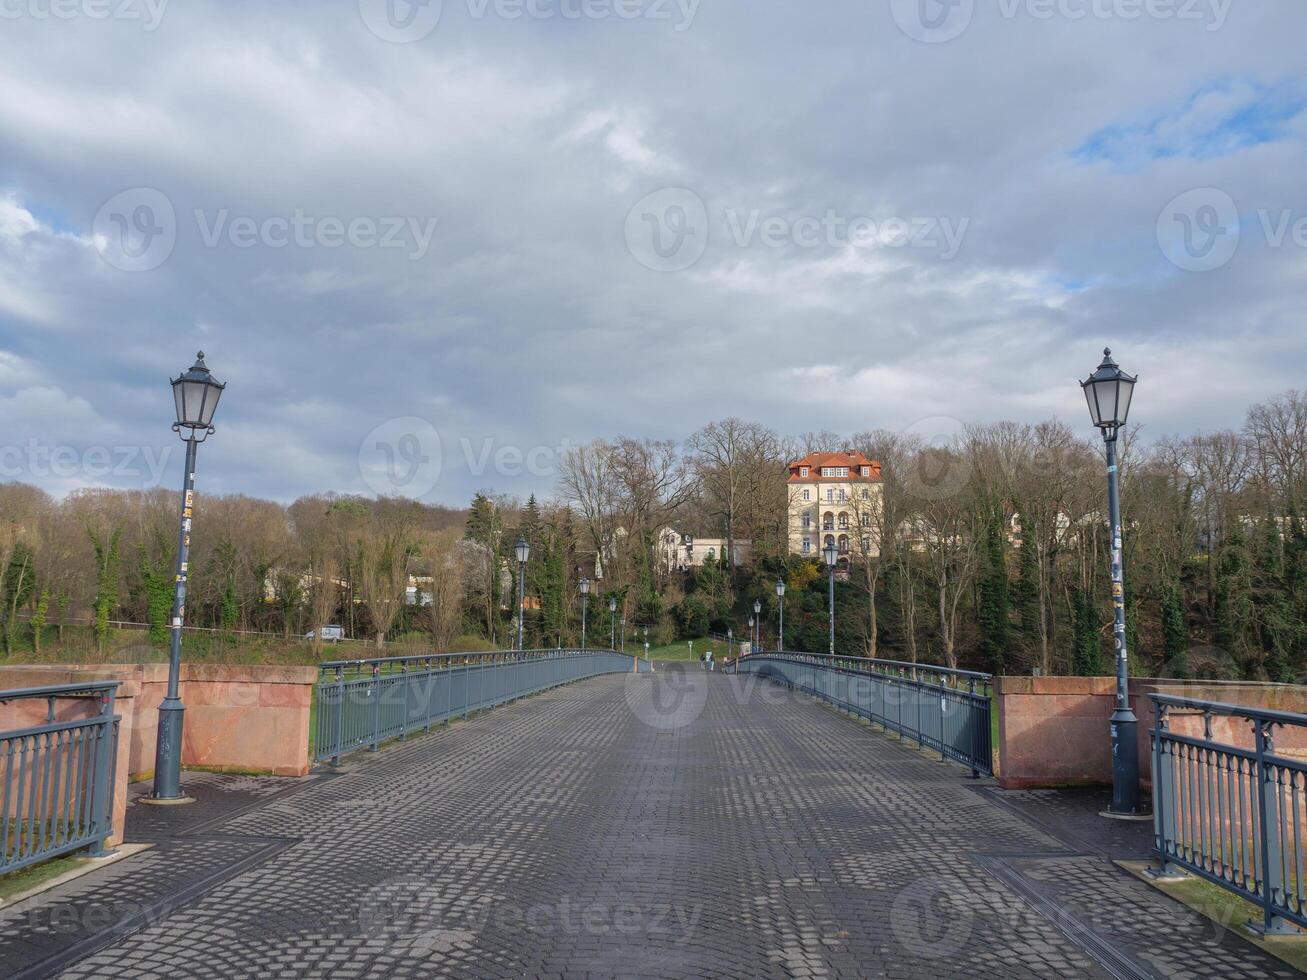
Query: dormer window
[834, 471]
[865, 470]
[803, 471]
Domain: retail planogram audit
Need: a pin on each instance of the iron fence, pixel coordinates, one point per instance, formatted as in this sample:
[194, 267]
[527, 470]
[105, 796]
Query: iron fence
[58, 774]
[362, 703]
[1230, 814]
[937, 707]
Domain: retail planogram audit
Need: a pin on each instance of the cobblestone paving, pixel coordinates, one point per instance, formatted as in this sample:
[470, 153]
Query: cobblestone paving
[710, 827]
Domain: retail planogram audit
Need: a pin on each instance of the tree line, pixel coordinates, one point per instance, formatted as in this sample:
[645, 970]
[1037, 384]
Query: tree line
[986, 549]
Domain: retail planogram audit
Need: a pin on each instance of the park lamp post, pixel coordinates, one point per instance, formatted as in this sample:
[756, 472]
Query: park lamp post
[832, 556]
[752, 643]
[612, 628]
[585, 603]
[1108, 392]
[523, 553]
[196, 395]
[623, 634]
[780, 609]
[757, 616]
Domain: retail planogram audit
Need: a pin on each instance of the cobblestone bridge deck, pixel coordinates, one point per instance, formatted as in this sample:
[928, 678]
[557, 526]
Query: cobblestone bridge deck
[615, 828]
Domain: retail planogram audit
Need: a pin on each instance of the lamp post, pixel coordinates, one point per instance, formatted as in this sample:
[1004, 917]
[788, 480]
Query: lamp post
[780, 608]
[195, 395]
[832, 556]
[752, 643]
[523, 553]
[730, 642]
[1108, 392]
[585, 602]
[612, 628]
[757, 616]
[623, 634]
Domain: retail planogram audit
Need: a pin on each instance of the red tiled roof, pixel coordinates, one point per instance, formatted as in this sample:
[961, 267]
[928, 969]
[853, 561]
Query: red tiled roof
[816, 460]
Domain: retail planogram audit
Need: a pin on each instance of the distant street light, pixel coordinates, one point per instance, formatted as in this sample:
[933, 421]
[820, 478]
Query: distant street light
[585, 603]
[1108, 392]
[757, 615]
[195, 395]
[752, 643]
[523, 553]
[780, 608]
[832, 556]
[612, 632]
[623, 634]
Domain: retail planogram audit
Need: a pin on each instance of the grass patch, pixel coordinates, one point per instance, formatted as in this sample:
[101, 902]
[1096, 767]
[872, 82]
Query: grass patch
[1227, 910]
[680, 650]
[25, 879]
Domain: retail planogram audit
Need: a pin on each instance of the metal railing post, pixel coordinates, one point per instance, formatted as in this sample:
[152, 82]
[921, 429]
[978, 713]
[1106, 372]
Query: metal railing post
[1268, 816]
[376, 707]
[103, 782]
[340, 716]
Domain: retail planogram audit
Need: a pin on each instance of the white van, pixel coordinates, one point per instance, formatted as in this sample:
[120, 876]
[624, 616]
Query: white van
[329, 633]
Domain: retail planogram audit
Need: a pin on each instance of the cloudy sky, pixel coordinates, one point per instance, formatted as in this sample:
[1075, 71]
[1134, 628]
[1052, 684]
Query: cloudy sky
[429, 244]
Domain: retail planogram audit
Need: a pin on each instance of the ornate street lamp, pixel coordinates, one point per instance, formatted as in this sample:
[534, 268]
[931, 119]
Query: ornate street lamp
[195, 395]
[780, 608]
[623, 634]
[1108, 392]
[612, 630]
[753, 642]
[757, 616]
[832, 555]
[523, 553]
[585, 603]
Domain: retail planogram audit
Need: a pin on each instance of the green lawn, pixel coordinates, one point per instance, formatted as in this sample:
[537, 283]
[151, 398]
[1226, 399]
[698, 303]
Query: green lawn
[20, 881]
[680, 650]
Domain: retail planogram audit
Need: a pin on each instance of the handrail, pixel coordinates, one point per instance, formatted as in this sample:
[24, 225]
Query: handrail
[883, 666]
[1232, 814]
[360, 707]
[479, 655]
[948, 717]
[57, 776]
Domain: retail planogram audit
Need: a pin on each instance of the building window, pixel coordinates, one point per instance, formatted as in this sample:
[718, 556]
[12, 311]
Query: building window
[844, 520]
[834, 471]
[807, 521]
[866, 494]
[830, 539]
[866, 520]
[803, 471]
[807, 494]
[807, 545]
[844, 542]
[830, 495]
[866, 544]
[828, 521]
[865, 470]
[841, 494]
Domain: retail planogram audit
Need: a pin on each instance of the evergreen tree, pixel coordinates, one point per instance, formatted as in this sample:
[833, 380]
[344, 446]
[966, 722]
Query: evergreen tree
[19, 586]
[1175, 632]
[157, 582]
[1027, 588]
[1087, 654]
[38, 619]
[107, 561]
[994, 611]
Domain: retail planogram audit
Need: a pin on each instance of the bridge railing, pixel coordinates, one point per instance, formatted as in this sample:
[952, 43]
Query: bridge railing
[56, 776]
[1233, 814]
[362, 703]
[939, 708]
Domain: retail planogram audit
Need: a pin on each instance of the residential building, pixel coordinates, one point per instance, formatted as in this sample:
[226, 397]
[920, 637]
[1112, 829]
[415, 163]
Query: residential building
[835, 497]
